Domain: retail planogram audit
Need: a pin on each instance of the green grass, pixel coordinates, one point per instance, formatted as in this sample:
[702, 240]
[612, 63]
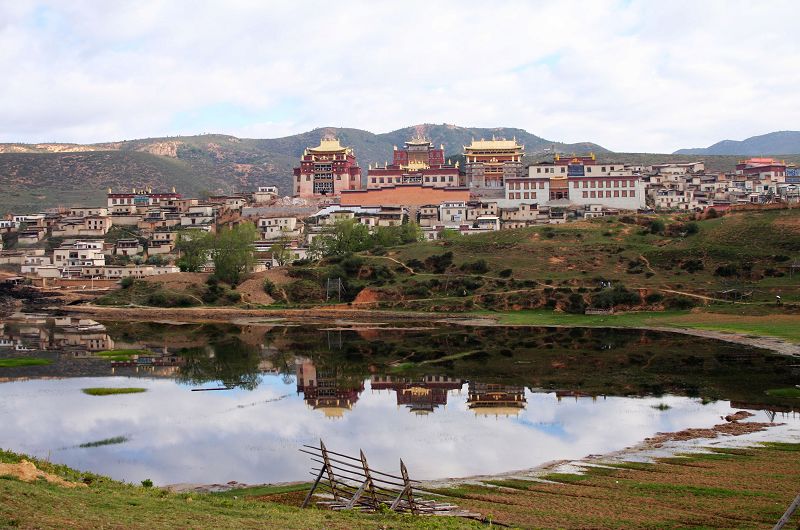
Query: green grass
[258, 491]
[106, 503]
[105, 391]
[24, 361]
[122, 354]
[792, 392]
[763, 324]
[107, 441]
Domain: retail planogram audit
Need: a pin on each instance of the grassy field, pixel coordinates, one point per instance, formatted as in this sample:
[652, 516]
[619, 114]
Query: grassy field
[121, 355]
[727, 488]
[774, 325]
[105, 503]
[103, 391]
[23, 361]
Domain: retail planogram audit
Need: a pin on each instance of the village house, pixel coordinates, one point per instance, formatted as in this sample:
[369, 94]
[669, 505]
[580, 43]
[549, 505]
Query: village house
[128, 247]
[88, 211]
[264, 194]
[277, 227]
[30, 236]
[201, 216]
[88, 226]
[162, 242]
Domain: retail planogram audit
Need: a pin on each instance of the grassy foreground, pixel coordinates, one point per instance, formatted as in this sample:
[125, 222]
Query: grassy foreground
[106, 503]
[23, 361]
[728, 488]
[748, 321]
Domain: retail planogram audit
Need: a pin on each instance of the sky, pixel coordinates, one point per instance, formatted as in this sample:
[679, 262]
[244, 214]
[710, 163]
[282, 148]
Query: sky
[631, 75]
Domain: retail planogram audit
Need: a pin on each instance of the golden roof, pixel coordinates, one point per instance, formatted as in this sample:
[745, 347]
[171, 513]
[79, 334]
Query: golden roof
[329, 146]
[496, 411]
[501, 143]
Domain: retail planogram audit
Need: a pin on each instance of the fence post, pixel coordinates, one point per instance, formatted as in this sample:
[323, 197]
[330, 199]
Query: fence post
[369, 482]
[788, 515]
[408, 488]
[329, 470]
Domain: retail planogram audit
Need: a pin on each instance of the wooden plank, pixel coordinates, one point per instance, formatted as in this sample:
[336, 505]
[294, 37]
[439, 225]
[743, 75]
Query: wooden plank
[314, 487]
[788, 514]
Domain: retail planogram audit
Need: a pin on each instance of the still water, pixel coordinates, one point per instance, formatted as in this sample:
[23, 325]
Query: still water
[450, 401]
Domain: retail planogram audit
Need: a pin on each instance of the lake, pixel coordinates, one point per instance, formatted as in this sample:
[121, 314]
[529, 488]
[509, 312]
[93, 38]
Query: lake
[227, 402]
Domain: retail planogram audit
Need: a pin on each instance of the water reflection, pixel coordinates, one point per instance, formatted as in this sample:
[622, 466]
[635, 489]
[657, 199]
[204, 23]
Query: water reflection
[450, 401]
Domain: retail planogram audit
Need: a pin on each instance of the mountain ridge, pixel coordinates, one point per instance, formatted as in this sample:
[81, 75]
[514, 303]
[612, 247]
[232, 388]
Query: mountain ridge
[773, 143]
[50, 174]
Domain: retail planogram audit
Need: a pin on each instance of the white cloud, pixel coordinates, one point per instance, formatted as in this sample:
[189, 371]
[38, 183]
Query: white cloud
[633, 76]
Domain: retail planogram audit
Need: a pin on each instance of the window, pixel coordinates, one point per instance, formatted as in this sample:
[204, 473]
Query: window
[585, 183]
[616, 193]
[585, 194]
[527, 196]
[588, 169]
[563, 169]
[538, 170]
[624, 193]
[608, 195]
[593, 194]
[603, 169]
[575, 185]
[633, 193]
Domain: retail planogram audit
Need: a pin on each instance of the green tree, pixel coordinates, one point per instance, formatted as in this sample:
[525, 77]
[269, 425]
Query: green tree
[281, 250]
[192, 246]
[232, 252]
[344, 237]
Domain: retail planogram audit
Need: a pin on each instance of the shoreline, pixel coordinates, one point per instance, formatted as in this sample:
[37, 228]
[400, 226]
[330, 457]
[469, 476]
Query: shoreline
[650, 450]
[326, 315]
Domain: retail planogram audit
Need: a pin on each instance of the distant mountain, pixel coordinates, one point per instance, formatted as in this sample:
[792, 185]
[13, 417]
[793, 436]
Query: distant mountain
[774, 143]
[35, 176]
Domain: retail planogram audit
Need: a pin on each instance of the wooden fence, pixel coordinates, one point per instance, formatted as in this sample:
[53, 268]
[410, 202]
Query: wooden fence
[348, 483]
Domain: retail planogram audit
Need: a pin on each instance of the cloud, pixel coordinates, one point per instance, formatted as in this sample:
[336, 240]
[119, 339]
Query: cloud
[633, 76]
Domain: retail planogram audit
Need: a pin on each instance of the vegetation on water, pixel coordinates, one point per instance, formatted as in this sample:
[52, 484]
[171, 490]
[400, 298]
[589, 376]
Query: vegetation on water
[121, 354]
[23, 361]
[106, 441]
[108, 391]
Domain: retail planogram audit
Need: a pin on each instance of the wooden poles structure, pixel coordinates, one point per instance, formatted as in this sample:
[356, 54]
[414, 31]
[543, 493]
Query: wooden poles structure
[350, 484]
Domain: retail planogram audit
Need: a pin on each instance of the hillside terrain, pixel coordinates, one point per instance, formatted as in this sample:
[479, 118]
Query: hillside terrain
[776, 143]
[36, 176]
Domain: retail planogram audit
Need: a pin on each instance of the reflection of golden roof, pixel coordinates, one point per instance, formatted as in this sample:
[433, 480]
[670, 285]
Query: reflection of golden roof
[496, 411]
[333, 412]
[329, 146]
[417, 391]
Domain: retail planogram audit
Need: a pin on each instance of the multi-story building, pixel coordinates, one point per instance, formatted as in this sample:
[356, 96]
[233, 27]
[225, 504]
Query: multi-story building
[326, 170]
[416, 163]
[578, 181]
[277, 227]
[489, 163]
[80, 253]
[140, 198]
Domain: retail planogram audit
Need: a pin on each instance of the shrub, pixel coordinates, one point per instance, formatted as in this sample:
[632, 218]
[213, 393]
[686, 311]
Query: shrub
[654, 298]
[506, 273]
[657, 226]
[692, 265]
[711, 213]
[727, 270]
[126, 282]
[162, 299]
[575, 304]
[680, 302]
[478, 267]
[692, 228]
[269, 287]
[304, 291]
[439, 263]
[619, 295]
[147, 483]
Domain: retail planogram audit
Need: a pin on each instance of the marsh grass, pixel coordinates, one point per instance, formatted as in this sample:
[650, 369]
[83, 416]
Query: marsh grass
[104, 391]
[24, 361]
[107, 441]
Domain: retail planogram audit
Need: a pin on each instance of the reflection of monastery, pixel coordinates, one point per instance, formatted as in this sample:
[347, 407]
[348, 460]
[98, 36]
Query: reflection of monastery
[65, 334]
[489, 399]
[419, 395]
[326, 389]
